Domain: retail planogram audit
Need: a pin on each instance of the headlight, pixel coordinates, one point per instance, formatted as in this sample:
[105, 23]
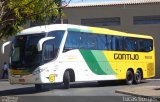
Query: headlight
[37, 71]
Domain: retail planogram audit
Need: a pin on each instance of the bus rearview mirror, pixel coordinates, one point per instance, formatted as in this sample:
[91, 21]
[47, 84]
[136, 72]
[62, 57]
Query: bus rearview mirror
[41, 41]
[4, 45]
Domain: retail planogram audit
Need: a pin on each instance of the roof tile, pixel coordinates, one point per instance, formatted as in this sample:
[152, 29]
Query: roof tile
[124, 2]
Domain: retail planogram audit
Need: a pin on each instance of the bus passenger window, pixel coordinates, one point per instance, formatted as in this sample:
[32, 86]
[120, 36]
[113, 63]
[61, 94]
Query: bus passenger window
[72, 41]
[92, 43]
[108, 42]
[145, 45]
[141, 46]
[101, 42]
[84, 41]
[119, 43]
[131, 44]
[148, 45]
[113, 43]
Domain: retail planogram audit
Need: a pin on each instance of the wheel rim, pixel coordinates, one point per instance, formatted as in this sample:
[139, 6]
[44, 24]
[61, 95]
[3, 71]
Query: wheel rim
[129, 78]
[138, 76]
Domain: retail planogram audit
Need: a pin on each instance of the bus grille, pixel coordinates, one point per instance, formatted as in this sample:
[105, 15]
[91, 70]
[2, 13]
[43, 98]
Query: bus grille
[150, 70]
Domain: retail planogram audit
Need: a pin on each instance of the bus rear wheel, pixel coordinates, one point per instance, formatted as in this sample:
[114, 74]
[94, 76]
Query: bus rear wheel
[66, 80]
[138, 77]
[129, 77]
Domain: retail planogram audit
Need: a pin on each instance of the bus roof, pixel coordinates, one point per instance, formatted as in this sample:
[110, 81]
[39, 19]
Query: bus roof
[52, 27]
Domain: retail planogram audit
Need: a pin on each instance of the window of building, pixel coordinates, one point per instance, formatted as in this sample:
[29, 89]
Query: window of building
[139, 20]
[114, 21]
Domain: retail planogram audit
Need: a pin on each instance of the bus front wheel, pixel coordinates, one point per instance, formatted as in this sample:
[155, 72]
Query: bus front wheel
[129, 77]
[66, 80]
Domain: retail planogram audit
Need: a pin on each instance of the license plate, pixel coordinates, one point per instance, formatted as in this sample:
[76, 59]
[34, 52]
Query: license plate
[22, 80]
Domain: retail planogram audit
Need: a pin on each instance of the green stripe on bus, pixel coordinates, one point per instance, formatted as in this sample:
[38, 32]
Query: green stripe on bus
[103, 62]
[100, 59]
[92, 62]
[97, 62]
[79, 30]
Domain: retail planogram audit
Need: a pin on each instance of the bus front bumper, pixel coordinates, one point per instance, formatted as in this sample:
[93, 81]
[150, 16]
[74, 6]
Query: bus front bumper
[31, 79]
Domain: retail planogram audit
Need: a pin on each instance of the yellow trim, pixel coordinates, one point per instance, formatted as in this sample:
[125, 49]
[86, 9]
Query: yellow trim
[12, 71]
[118, 33]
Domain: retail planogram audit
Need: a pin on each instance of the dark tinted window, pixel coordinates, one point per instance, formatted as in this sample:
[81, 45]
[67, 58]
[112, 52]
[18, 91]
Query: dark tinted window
[131, 44]
[145, 45]
[73, 40]
[102, 42]
[92, 41]
[148, 45]
[119, 43]
[24, 51]
[58, 37]
[84, 43]
[51, 47]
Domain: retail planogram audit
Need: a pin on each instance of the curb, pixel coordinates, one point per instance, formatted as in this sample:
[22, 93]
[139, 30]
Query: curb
[138, 95]
[131, 93]
[4, 79]
[153, 79]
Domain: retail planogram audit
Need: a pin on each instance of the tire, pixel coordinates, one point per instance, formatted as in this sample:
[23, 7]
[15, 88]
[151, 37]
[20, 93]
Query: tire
[38, 87]
[138, 77]
[66, 80]
[129, 77]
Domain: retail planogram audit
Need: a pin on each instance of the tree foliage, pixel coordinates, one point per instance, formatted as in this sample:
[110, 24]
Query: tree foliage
[15, 13]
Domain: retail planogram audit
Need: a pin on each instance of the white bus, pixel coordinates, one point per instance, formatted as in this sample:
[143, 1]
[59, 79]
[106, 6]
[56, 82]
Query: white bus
[64, 53]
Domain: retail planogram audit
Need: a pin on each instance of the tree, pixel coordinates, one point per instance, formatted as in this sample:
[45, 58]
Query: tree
[15, 13]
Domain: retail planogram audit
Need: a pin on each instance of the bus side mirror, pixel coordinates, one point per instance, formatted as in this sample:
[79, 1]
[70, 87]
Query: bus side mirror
[41, 41]
[4, 45]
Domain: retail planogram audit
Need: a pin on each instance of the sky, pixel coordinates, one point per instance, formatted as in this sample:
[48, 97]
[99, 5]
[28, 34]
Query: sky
[87, 1]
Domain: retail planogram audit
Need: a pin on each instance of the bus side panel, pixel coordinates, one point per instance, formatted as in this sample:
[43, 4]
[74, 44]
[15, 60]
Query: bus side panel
[118, 63]
[121, 61]
[88, 65]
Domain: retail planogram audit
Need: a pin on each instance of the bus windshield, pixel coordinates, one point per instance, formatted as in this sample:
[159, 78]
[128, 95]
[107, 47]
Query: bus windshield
[24, 51]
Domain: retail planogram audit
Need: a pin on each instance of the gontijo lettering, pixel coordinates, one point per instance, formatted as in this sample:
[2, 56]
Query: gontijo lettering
[120, 56]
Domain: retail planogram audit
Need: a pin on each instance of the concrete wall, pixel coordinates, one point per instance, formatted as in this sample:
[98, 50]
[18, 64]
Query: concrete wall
[4, 58]
[126, 13]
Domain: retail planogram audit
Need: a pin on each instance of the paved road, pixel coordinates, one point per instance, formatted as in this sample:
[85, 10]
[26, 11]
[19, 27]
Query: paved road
[90, 89]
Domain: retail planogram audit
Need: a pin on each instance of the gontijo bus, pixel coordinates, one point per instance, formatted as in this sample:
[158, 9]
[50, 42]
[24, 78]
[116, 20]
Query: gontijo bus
[64, 53]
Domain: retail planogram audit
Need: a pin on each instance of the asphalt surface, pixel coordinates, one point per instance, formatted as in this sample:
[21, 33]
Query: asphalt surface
[113, 91]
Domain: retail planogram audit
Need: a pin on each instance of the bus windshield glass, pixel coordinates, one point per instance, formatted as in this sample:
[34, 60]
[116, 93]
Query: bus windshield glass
[24, 51]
